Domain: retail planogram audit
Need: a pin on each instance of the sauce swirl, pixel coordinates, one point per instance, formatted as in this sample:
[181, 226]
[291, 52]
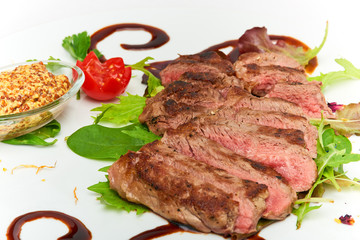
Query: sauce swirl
[160, 231]
[158, 36]
[77, 230]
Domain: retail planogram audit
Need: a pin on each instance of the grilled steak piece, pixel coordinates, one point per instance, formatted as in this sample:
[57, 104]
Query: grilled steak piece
[201, 62]
[184, 190]
[281, 149]
[178, 103]
[281, 195]
[182, 100]
[281, 78]
[259, 80]
[308, 96]
[273, 119]
[269, 58]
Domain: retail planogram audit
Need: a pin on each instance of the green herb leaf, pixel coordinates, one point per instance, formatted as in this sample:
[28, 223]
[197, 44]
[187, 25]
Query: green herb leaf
[111, 198]
[302, 211]
[103, 143]
[126, 111]
[349, 72]
[154, 84]
[78, 45]
[333, 151]
[39, 136]
[304, 59]
[141, 132]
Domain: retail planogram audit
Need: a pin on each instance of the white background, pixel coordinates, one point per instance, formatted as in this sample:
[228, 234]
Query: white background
[35, 29]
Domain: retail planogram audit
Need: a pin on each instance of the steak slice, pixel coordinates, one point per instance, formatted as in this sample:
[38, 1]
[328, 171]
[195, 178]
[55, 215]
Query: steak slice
[281, 149]
[281, 195]
[273, 119]
[202, 62]
[182, 100]
[308, 96]
[260, 79]
[240, 98]
[184, 190]
[268, 58]
[281, 78]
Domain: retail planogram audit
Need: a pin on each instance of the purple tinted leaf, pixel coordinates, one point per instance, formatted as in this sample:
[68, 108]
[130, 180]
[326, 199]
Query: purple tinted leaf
[257, 40]
[335, 107]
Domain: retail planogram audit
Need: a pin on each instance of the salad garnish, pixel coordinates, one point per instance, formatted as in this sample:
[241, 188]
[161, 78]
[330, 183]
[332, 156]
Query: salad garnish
[334, 148]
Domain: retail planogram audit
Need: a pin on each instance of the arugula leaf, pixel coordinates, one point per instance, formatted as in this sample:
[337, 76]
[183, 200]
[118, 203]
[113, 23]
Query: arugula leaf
[104, 143]
[78, 45]
[333, 151]
[111, 198]
[304, 57]
[154, 84]
[350, 72]
[38, 136]
[126, 111]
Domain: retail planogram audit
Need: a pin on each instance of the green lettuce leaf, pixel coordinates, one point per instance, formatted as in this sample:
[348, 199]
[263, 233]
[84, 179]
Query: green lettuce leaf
[38, 137]
[154, 84]
[126, 111]
[111, 198]
[104, 143]
[350, 72]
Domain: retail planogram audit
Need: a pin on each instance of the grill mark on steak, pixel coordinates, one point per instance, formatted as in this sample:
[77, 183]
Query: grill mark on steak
[187, 191]
[202, 62]
[290, 135]
[292, 161]
[281, 195]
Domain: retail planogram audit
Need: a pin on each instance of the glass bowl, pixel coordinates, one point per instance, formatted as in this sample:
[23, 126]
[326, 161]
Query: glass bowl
[17, 124]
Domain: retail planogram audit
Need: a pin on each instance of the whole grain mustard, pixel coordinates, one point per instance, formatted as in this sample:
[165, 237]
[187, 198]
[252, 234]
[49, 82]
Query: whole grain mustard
[28, 87]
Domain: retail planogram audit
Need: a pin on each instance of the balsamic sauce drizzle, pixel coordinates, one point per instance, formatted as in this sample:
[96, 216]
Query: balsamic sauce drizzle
[160, 231]
[158, 36]
[77, 230]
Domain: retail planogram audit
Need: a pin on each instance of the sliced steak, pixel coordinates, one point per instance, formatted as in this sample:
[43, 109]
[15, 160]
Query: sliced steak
[281, 149]
[268, 58]
[182, 189]
[281, 195]
[240, 98]
[308, 96]
[202, 62]
[274, 119]
[180, 101]
[259, 80]
[281, 78]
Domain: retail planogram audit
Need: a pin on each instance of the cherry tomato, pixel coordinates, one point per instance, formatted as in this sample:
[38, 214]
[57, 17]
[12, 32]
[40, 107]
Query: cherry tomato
[104, 81]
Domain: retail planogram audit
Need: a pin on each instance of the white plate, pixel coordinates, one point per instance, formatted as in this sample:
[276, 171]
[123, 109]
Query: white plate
[191, 29]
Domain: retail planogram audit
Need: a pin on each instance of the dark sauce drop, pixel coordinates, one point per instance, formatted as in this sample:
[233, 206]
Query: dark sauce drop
[77, 230]
[158, 232]
[158, 36]
[255, 237]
